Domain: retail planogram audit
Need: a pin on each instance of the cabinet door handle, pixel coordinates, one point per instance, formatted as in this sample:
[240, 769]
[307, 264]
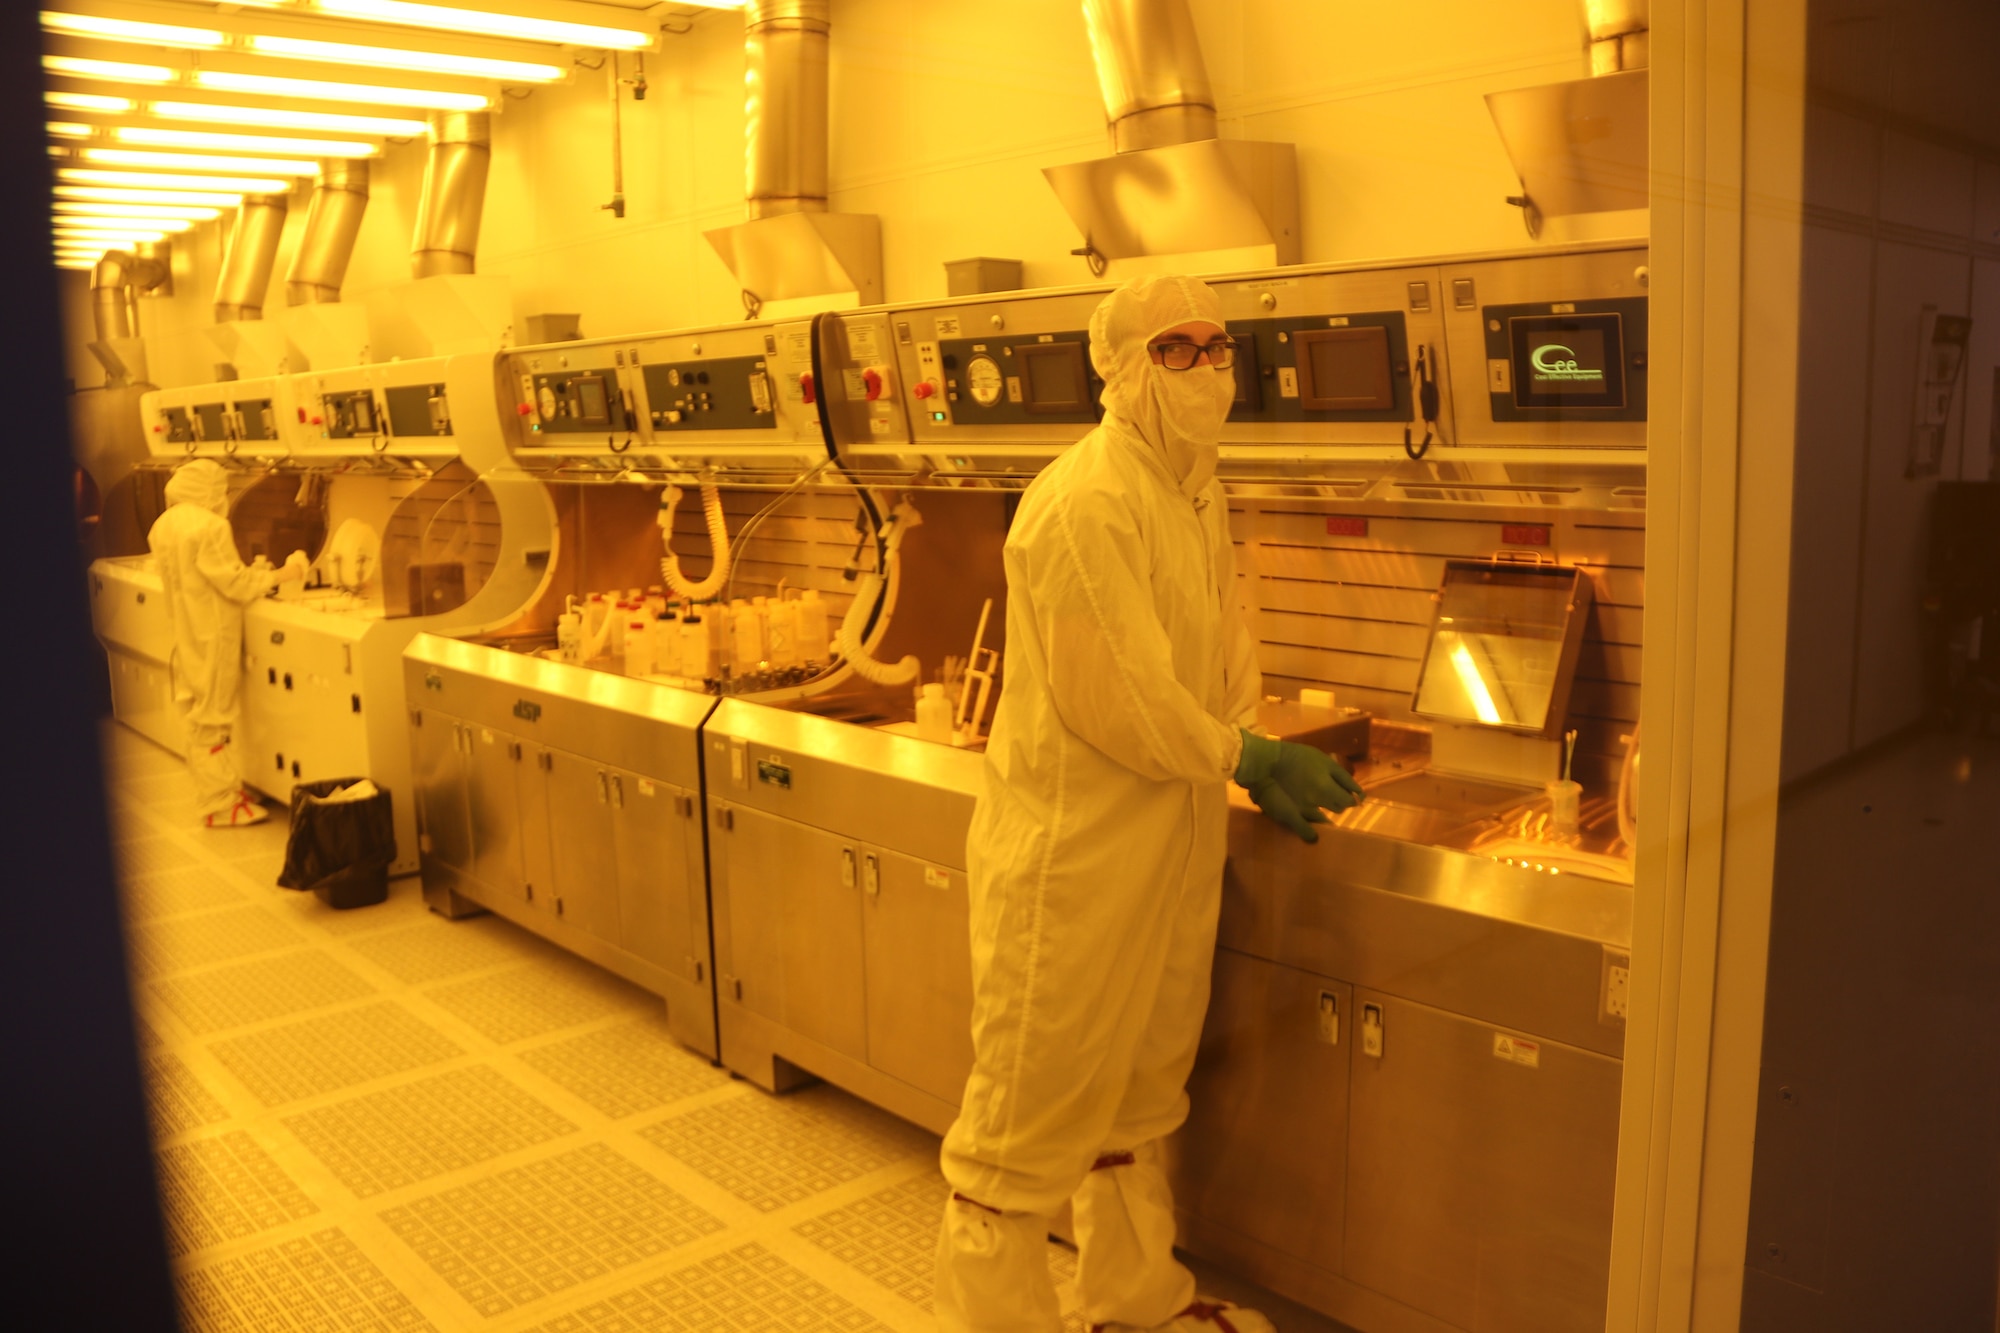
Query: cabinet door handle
[617, 791]
[1371, 1030]
[847, 867]
[603, 788]
[871, 876]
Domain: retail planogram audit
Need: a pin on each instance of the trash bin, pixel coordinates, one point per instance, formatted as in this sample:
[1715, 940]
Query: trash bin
[339, 849]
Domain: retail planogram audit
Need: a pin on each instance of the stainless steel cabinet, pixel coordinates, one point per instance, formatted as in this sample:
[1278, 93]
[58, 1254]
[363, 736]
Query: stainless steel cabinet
[493, 804]
[916, 930]
[585, 860]
[537, 839]
[1480, 1170]
[437, 746]
[661, 907]
[1264, 1150]
[792, 937]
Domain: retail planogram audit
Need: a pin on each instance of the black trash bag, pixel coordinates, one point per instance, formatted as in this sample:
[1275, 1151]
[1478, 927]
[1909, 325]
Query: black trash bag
[340, 850]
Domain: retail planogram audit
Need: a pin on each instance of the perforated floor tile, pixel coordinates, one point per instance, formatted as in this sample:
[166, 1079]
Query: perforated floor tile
[771, 1151]
[151, 854]
[625, 1069]
[525, 1002]
[439, 948]
[178, 1100]
[385, 1140]
[335, 1051]
[317, 1282]
[747, 1288]
[258, 991]
[224, 1188]
[189, 888]
[523, 1233]
[405, 905]
[179, 943]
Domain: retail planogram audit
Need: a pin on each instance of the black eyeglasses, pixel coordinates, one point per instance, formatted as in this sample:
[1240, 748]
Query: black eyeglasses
[1221, 354]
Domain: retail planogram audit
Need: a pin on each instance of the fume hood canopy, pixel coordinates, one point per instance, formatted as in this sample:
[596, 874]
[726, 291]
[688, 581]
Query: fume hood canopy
[1577, 146]
[1210, 194]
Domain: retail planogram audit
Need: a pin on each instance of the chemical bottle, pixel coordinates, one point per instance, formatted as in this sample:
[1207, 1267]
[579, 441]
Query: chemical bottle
[569, 632]
[783, 642]
[934, 714]
[621, 615]
[810, 637]
[639, 647]
[656, 601]
[746, 626]
[693, 646]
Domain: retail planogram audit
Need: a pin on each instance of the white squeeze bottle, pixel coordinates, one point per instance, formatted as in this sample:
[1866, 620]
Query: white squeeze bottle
[783, 640]
[749, 648]
[693, 645]
[810, 638]
[569, 632]
[934, 714]
[639, 646]
[621, 613]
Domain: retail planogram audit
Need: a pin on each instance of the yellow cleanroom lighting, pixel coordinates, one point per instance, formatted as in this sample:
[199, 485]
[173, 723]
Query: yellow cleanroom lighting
[117, 70]
[108, 196]
[273, 118]
[89, 102]
[85, 264]
[1475, 685]
[115, 237]
[148, 180]
[70, 222]
[478, 21]
[265, 166]
[69, 129]
[242, 143]
[124, 30]
[384, 57]
[135, 211]
[429, 99]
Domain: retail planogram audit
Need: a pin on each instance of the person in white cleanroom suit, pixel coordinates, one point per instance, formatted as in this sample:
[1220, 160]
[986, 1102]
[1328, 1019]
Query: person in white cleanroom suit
[1097, 848]
[207, 586]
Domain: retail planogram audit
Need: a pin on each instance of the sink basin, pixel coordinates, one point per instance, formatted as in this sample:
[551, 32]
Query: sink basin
[1470, 798]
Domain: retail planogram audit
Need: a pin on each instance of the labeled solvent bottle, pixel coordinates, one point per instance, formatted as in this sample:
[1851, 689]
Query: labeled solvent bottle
[783, 639]
[569, 633]
[810, 636]
[934, 714]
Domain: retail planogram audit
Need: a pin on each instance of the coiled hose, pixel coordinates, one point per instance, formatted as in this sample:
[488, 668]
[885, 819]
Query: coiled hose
[871, 591]
[718, 539]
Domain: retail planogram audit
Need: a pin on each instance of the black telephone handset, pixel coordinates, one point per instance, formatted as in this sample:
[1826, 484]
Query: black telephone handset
[1427, 404]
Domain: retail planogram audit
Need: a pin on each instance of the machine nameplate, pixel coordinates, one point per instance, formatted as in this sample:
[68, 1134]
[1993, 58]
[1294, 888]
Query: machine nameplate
[774, 773]
[527, 710]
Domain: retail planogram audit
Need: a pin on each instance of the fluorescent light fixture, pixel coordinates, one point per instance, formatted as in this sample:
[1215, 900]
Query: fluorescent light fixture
[104, 195]
[89, 102]
[113, 237]
[429, 99]
[69, 222]
[136, 212]
[446, 18]
[123, 30]
[1474, 683]
[268, 166]
[84, 264]
[69, 129]
[149, 180]
[274, 118]
[117, 70]
[154, 137]
[386, 57]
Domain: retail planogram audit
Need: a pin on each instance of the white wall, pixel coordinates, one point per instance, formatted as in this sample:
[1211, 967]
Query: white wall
[1895, 222]
[942, 118]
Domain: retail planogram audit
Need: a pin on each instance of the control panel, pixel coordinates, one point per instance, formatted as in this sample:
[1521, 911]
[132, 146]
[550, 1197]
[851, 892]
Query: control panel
[573, 401]
[726, 393]
[239, 416]
[1340, 367]
[1567, 360]
[1002, 381]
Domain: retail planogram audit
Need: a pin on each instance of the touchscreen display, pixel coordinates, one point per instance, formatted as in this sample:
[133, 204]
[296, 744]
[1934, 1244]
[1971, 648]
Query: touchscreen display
[1345, 370]
[1052, 377]
[1567, 361]
[591, 405]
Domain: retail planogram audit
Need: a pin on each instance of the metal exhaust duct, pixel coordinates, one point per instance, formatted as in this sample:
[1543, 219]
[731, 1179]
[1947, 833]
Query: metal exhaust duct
[1171, 186]
[1580, 146]
[447, 239]
[791, 246]
[115, 282]
[332, 223]
[247, 263]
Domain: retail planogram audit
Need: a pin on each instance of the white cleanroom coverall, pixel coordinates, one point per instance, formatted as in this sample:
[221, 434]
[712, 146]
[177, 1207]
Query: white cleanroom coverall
[207, 586]
[1096, 851]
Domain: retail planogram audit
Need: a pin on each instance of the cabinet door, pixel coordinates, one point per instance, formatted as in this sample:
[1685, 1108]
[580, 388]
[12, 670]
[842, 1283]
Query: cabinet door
[437, 748]
[652, 822]
[1480, 1170]
[1264, 1150]
[918, 934]
[494, 808]
[538, 853]
[586, 865]
[794, 938]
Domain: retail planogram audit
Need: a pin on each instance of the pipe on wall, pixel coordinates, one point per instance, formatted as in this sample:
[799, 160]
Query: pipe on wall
[448, 213]
[785, 106]
[1150, 70]
[247, 263]
[332, 223]
[1619, 32]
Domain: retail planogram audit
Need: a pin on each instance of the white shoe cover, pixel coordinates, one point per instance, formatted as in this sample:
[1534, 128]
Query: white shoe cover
[241, 815]
[1204, 1316]
[993, 1272]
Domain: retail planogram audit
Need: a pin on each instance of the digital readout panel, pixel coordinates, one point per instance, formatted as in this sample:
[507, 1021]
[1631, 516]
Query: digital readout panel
[1349, 367]
[1002, 381]
[576, 401]
[1567, 361]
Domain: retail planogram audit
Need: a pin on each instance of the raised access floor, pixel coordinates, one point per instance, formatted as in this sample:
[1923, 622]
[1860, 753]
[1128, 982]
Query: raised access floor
[379, 1119]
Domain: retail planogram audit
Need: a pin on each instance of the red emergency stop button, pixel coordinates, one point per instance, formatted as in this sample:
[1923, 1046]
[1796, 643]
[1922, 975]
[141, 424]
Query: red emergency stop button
[526, 409]
[872, 379]
[806, 385]
[302, 415]
[158, 428]
[925, 389]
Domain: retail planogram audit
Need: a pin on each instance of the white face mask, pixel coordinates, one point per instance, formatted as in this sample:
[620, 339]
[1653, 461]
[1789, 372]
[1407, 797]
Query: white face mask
[1192, 406]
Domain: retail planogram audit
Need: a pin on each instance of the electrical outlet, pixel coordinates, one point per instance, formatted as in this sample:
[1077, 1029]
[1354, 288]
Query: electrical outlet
[1614, 994]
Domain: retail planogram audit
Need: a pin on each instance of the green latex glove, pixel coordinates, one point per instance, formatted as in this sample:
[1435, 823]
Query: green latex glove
[1294, 784]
